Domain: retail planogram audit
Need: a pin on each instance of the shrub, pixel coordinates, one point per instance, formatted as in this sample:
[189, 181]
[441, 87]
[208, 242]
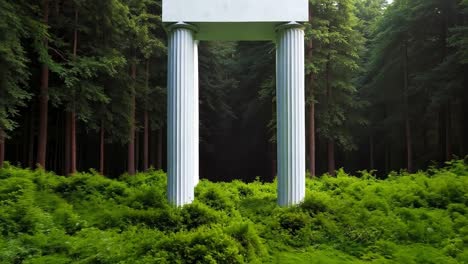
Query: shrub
[86, 218]
[197, 214]
[293, 221]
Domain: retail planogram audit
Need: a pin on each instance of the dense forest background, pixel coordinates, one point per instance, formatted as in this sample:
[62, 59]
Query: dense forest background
[83, 85]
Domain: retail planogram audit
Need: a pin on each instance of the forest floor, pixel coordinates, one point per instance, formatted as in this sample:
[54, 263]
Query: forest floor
[87, 218]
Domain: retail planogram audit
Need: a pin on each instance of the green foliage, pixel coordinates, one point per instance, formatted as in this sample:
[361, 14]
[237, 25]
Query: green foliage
[86, 218]
[423, 41]
[16, 26]
[336, 48]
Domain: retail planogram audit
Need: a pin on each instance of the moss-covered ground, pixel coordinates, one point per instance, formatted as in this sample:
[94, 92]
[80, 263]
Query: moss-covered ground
[87, 218]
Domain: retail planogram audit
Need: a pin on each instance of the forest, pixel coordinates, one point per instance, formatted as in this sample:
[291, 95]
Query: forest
[83, 85]
[83, 138]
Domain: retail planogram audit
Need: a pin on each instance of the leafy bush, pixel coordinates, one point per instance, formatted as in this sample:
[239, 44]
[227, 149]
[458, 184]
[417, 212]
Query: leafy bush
[87, 218]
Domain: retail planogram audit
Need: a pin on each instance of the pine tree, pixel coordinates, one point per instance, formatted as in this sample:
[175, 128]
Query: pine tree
[336, 49]
[18, 24]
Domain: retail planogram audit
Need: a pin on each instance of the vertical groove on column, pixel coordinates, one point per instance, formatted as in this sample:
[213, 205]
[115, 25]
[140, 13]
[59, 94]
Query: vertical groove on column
[291, 116]
[181, 117]
[196, 118]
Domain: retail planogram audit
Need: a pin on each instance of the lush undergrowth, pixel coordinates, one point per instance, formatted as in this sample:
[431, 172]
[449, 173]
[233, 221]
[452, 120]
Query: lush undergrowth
[86, 218]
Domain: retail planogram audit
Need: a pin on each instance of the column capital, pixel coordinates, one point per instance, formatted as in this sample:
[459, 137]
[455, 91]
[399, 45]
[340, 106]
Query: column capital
[289, 25]
[182, 24]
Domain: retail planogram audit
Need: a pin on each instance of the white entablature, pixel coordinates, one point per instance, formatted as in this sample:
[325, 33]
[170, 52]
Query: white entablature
[235, 19]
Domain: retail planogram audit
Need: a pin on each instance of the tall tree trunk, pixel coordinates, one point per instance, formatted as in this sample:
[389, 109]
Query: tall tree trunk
[409, 148]
[311, 116]
[101, 149]
[273, 154]
[31, 138]
[273, 165]
[24, 144]
[387, 158]
[137, 149]
[131, 143]
[67, 143]
[312, 138]
[371, 152]
[448, 134]
[17, 150]
[2, 147]
[72, 113]
[464, 124]
[43, 99]
[72, 142]
[330, 143]
[311, 104]
[331, 157]
[448, 114]
[152, 148]
[146, 142]
[459, 129]
[409, 143]
[160, 147]
[57, 143]
[146, 128]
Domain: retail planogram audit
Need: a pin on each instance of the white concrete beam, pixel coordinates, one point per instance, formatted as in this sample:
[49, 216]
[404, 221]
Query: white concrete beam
[235, 10]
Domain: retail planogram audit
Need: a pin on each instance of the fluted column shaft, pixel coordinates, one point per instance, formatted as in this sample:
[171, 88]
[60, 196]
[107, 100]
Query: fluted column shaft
[182, 111]
[196, 118]
[290, 113]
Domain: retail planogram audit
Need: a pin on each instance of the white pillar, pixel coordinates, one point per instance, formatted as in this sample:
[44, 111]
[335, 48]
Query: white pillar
[197, 120]
[181, 115]
[290, 113]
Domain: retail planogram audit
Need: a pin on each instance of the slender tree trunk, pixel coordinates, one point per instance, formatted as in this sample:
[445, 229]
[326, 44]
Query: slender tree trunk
[25, 139]
[108, 169]
[331, 157]
[146, 142]
[137, 150]
[311, 115]
[273, 167]
[274, 170]
[73, 113]
[371, 152]
[330, 143]
[17, 151]
[160, 147]
[448, 111]
[131, 143]
[387, 158]
[57, 143]
[409, 143]
[72, 142]
[458, 129]
[43, 100]
[67, 143]
[311, 104]
[2, 147]
[425, 138]
[152, 148]
[312, 139]
[101, 149]
[464, 124]
[146, 128]
[448, 134]
[31, 138]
